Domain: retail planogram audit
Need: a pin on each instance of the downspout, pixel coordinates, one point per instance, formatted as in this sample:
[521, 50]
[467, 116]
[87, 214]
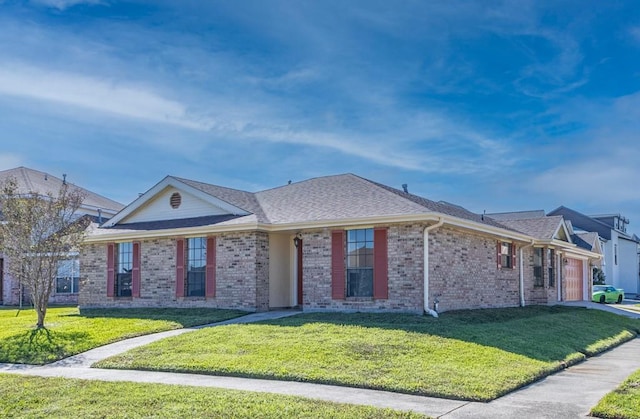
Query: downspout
[522, 272]
[427, 229]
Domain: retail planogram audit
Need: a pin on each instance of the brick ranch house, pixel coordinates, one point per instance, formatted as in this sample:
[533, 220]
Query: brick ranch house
[329, 243]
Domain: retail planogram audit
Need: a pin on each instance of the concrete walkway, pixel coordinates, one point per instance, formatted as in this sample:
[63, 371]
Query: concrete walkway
[567, 394]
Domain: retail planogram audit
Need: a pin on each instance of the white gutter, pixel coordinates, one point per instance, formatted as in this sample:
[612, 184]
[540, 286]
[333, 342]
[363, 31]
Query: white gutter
[522, 272]
[426, 265]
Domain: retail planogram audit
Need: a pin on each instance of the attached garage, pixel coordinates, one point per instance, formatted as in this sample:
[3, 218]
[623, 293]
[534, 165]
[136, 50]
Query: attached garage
[574, 280]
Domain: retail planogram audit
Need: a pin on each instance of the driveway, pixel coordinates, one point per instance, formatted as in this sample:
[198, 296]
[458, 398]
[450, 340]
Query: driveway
[624, 309]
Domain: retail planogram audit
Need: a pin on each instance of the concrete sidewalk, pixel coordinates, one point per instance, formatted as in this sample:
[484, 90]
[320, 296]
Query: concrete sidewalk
[568, 394]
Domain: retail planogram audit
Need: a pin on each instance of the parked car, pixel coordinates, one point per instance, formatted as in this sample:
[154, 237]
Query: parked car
[607, 294]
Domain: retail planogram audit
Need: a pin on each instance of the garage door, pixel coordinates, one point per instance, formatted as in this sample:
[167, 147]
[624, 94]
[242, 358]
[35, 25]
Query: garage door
[573, 280]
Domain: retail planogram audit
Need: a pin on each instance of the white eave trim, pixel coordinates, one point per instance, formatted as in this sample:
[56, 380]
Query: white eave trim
[347, 222]
[165, 183]
[562, 226]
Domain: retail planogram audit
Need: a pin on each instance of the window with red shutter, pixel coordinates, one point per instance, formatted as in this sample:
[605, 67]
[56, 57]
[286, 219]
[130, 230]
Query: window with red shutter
[337, 265]
[180, 268]
[210, 286]
[111, 269]
[380, 264]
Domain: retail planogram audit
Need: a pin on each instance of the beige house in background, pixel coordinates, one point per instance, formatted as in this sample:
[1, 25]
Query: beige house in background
[67, 283]
[334, 243]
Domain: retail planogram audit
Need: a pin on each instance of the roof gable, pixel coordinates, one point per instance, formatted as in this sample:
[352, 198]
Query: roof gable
[589, 241]
[541, 228]
[173, 199]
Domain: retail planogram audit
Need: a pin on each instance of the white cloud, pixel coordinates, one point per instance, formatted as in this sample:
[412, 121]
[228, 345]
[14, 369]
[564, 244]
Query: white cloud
[591, 182]
[82, 91]
[635, 33]
[65, 4]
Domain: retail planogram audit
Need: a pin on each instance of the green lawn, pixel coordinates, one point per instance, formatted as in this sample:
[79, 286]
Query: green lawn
[34, 397]
[621, 403]
[69, 332]
[474, 355]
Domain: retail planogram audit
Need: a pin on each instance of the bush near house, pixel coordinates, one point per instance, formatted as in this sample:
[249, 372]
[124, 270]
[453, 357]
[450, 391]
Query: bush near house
[69, 331]
[473, 354]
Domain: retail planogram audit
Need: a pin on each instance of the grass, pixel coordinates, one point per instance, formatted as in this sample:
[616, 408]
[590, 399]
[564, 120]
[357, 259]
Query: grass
[471, 355]
[623, 402]
[35, 397]
[69, 332]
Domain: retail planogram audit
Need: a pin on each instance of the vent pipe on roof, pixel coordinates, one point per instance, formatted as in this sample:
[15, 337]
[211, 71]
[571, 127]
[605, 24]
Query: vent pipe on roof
[46, 176]
[405, 188]
[64, 178]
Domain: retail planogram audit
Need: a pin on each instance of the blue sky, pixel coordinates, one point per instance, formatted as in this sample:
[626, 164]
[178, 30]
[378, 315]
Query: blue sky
[492, 105]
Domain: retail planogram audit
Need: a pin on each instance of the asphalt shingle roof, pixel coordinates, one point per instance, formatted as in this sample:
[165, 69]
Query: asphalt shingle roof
[328, 198]
[585, 240]
[517, 215]
[34, 181]
[540, 228]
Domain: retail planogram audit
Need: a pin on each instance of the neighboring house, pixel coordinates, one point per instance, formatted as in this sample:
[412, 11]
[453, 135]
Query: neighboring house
[67, 283]
[552, 261]
[340, 243]
[620, 249]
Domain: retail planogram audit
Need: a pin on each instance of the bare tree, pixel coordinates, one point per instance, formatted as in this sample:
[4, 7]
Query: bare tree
[36, 232]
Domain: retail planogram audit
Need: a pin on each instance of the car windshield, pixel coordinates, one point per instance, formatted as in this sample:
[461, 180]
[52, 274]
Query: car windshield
[599, 288]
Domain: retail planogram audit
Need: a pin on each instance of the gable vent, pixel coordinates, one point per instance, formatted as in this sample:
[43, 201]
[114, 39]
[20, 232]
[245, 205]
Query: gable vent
[175, 200]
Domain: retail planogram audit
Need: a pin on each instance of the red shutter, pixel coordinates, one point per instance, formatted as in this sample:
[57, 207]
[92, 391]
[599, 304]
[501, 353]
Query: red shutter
[337, 264]
[513, 255]
[111, 269]
[135, 272]
[498, 254]
[210, 281]
[380, 264]
[180, 268]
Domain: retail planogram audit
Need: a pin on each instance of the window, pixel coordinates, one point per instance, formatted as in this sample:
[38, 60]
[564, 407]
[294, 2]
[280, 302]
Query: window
[538, 280]
[196, 257]
[68, 276]
[506, 255]
[124, 268]
[551, 260]
[360, 263]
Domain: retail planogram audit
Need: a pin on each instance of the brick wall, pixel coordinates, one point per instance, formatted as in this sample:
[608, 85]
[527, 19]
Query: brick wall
[242, 268]
[539, 294]
[463, 272]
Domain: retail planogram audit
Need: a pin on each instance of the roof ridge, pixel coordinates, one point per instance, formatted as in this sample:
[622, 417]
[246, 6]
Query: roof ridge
[441, 207]
[181, 179]
[584, 215]
[305, 180]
